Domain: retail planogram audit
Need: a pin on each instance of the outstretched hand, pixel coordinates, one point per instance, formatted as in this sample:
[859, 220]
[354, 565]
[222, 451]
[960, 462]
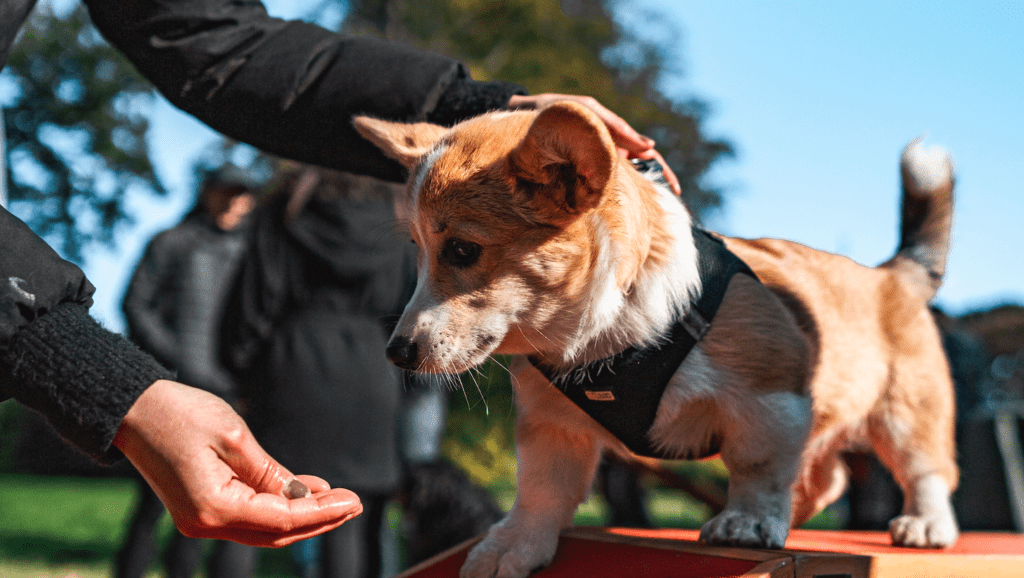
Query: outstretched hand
[630, 143]
[215, 479]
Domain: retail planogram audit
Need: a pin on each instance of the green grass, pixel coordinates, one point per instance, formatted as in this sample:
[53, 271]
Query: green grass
[69, 519]
[53, 526]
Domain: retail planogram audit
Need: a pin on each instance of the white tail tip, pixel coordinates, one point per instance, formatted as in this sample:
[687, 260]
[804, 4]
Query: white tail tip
[926, 169]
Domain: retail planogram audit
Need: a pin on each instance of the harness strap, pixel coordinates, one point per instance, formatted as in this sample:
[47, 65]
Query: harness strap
[622, 393]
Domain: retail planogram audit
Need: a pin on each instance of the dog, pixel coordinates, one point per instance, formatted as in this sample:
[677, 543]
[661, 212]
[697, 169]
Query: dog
[536, 239]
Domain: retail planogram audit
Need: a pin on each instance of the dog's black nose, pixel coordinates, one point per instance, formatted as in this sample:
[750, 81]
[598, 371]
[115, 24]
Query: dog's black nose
[403, 352]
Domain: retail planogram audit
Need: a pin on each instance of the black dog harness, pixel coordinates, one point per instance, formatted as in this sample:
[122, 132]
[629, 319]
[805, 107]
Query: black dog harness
[622, 392]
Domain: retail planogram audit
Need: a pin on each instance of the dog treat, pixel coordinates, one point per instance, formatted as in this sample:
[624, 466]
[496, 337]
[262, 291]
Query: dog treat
[296, 489]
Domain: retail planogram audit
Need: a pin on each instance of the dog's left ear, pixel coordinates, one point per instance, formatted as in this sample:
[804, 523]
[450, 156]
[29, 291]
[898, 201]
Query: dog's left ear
[567, 152]
[404, 142]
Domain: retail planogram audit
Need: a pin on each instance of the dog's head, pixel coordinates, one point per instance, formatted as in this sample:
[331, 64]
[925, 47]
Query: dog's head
[502, 208]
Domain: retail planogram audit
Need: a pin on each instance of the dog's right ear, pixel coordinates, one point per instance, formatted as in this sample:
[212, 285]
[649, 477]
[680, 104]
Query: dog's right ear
[569, 156]
[404, 142]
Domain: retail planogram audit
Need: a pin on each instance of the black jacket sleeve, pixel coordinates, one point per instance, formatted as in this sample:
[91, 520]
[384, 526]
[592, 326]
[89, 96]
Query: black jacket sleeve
[54, 357]
[289, 88]
[33, 277]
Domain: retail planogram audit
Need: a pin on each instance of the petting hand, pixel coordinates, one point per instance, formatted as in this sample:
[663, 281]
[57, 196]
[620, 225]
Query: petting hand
[215, 479]
[630, 143]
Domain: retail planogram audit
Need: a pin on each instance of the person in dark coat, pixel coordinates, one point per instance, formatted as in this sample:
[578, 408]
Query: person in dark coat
[304, 331]
[171, 306]
[290, 88]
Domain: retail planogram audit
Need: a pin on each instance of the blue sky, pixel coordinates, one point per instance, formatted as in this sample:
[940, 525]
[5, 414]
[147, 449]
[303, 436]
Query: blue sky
[819, 99]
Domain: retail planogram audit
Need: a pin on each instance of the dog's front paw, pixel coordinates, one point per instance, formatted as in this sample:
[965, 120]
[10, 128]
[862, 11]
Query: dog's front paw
[738, 528]
[924, 531]
[504, 554]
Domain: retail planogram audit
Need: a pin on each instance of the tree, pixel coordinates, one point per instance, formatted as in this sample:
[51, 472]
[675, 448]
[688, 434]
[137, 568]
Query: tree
[75, 120]
[572, 46]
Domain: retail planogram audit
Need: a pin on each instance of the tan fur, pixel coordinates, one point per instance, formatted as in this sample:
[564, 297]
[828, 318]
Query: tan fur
[877, 359]
[579, 256]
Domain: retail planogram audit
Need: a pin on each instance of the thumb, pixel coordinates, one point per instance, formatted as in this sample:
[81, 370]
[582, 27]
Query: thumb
[258, 470]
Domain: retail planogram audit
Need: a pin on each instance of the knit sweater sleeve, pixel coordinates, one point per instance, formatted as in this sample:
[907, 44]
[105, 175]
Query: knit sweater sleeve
[83, 378]
[466, 98]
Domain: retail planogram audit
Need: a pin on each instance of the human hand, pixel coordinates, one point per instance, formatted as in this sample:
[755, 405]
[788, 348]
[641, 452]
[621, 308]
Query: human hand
[215, 479]
[630, 143]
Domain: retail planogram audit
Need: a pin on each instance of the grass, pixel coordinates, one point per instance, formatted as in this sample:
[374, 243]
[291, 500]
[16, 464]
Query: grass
[53, 526]
[72, 526]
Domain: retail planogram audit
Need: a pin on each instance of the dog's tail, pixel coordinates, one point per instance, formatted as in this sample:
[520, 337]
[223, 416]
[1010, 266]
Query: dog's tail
[928, 181]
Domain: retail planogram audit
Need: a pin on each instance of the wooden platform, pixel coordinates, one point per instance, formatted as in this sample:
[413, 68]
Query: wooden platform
[627, 553]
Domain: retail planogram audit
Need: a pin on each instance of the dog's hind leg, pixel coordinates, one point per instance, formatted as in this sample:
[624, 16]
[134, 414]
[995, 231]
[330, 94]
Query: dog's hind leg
[823, 479]
[913, 436]
[557, 452]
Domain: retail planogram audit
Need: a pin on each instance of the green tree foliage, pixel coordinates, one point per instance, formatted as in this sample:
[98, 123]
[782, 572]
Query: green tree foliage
[75, 121]
[572, 46]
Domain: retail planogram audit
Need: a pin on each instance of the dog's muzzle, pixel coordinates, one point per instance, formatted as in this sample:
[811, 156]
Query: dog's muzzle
[403, 353]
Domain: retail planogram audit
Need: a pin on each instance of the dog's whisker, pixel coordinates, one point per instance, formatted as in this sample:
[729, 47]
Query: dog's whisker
[476, 382]
[462, 387]
[527, 339]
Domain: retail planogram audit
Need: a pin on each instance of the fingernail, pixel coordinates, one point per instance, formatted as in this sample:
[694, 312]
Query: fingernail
[648, 140]
[295, 489]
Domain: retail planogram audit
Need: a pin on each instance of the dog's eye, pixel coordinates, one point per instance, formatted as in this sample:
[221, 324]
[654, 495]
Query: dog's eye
[460, 253]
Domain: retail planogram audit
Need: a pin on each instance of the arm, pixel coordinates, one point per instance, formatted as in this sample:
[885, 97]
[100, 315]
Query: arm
[53, 356]
[290, 88]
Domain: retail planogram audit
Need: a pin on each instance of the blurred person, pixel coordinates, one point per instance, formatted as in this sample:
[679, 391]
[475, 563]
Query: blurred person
[290, 88]
[171, 306]
[304, 331]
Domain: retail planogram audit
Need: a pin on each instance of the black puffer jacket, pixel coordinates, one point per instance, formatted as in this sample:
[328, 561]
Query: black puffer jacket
[288, 87]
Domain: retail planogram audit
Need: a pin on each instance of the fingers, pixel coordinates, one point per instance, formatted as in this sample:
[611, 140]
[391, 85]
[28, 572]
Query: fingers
[670, 177]
[314, 483]
[623, 135]
[255, 467]
[274, 521]
[268, 513]
[267, 498]
[628, 141]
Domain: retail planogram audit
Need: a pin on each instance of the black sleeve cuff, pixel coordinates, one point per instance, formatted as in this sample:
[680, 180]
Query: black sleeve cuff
[80, 376]
[466, 98]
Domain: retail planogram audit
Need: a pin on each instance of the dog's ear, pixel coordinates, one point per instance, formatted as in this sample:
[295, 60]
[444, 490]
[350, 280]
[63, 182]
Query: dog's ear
[404, 142]
[565, 161]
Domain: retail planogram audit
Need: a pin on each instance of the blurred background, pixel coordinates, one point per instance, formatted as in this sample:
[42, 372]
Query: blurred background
[781, 121]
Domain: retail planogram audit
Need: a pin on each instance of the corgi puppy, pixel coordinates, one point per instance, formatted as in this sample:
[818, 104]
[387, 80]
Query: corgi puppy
[536, 239]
